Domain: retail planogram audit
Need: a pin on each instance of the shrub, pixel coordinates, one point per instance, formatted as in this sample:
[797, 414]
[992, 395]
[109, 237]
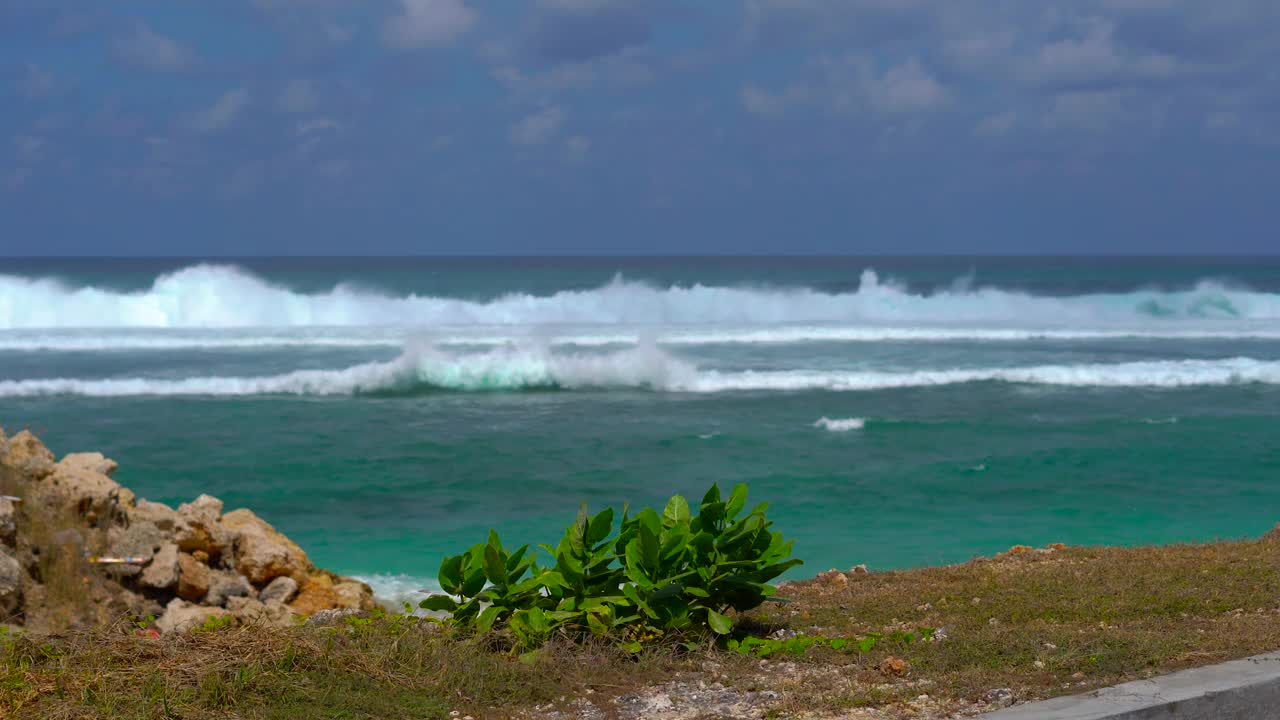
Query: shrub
[671, 573]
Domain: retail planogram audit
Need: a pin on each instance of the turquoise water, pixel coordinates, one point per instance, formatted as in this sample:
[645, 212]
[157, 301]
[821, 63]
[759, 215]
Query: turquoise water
[895, 412]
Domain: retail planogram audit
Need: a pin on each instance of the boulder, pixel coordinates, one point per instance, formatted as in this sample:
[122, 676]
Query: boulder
[8, 522]
[200, 528]
[164, 569]
[224, 585]
[282, 589]
[181, 616]
[249, 611]
[354, 594]
[261, 553]
[24, 452]
[142, 540]
[193, 578]
[79, 481]
[314, 598]
[153, 513]
[10, 585]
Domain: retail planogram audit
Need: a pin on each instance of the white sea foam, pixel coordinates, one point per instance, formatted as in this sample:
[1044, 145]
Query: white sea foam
[843, 425]
[113, 340]
[645, 367]
[393, 591]
[218, 296]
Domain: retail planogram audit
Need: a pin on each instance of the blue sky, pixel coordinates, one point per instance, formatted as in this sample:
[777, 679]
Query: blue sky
[227, 127]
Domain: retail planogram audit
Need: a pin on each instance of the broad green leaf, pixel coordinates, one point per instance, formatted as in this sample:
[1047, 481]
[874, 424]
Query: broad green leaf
[839, 643]
[473, 583]
[439, 603]
[494, 568]
[737, 501]
[537, 621]
[450, 575]
[494, 541]
[600, 526]
[666, 591]
[720, 624]
[676, 512]
[648, 517]
[578, 533]
[712, 496]
[697, 592]
[484, 623]
[650, 550]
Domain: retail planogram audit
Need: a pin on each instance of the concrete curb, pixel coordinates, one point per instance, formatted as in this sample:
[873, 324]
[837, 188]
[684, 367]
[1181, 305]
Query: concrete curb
[1246, 689]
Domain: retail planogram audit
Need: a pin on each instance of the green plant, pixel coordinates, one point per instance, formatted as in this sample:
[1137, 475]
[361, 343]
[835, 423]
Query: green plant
[675, 572]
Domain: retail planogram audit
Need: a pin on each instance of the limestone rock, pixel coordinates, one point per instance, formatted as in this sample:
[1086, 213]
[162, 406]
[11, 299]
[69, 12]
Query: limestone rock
[137, 540]
[261, 553]
[282, 589]
[8, 522]
[193, 578]
[200, 527]
[153, 513]
[353, 594]
[223, 586]
[26, 453]
[79, 481]
[314, 598]
[181, 616]
[10, 585]
[249, 611]
[164, 569]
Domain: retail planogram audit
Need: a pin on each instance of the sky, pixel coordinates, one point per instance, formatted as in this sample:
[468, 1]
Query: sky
[356, 127]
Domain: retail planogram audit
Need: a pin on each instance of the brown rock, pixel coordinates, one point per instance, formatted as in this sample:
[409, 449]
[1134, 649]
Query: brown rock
[181, 616]
[355, 595]
[894, 666]
[79, 481]
[1019, 550]
[8, 522]
[1057, 546]
[858, 570]
[315, 598]
[10, 584]
[200, 528]
[193, 578]
[137, 540]
[26, 453]
[261, 553]
[163, 571]
[249, 611]
[153, 513]
[834, 577]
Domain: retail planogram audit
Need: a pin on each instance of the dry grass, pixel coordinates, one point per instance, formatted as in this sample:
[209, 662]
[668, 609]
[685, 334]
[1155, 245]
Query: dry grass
[1038, 624]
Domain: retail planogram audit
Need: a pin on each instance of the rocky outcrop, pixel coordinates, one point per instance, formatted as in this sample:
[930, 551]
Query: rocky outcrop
[61, 546]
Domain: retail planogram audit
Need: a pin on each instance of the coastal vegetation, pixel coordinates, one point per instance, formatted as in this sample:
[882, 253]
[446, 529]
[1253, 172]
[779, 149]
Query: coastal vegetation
[668, 614]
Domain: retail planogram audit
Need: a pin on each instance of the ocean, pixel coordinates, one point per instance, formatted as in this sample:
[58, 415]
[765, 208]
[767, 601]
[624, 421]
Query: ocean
[895, 412]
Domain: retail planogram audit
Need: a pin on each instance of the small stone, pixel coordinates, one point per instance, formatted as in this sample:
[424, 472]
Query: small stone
[1077, 676]
[858, 570]
[180, 616]
[223, 586]
[164, 569]
[1000, 697]
[283, 588]
[1057, 546]
[1039, 664]
[894, 666]
[193, 578]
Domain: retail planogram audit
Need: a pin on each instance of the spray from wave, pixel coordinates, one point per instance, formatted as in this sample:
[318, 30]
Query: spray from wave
[215, 296]
[646, 367]
[842, 425]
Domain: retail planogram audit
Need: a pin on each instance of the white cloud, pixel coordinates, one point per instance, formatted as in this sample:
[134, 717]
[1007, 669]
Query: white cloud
[1094, 60]
[221, 113]
[298, 96]
[428, 24]
[906, 88]
[577, 148]
[148, 49]
[759, 101]
[538, 128]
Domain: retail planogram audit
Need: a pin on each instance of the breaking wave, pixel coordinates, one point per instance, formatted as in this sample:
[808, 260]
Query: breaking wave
[646, 367]
[845, 425]
[220, 296]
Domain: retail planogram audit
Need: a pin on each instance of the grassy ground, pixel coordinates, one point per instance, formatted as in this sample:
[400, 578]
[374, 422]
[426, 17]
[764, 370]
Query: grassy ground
[1025, 625]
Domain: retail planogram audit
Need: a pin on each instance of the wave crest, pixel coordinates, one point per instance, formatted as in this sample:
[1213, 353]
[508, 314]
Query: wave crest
[221, 296]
